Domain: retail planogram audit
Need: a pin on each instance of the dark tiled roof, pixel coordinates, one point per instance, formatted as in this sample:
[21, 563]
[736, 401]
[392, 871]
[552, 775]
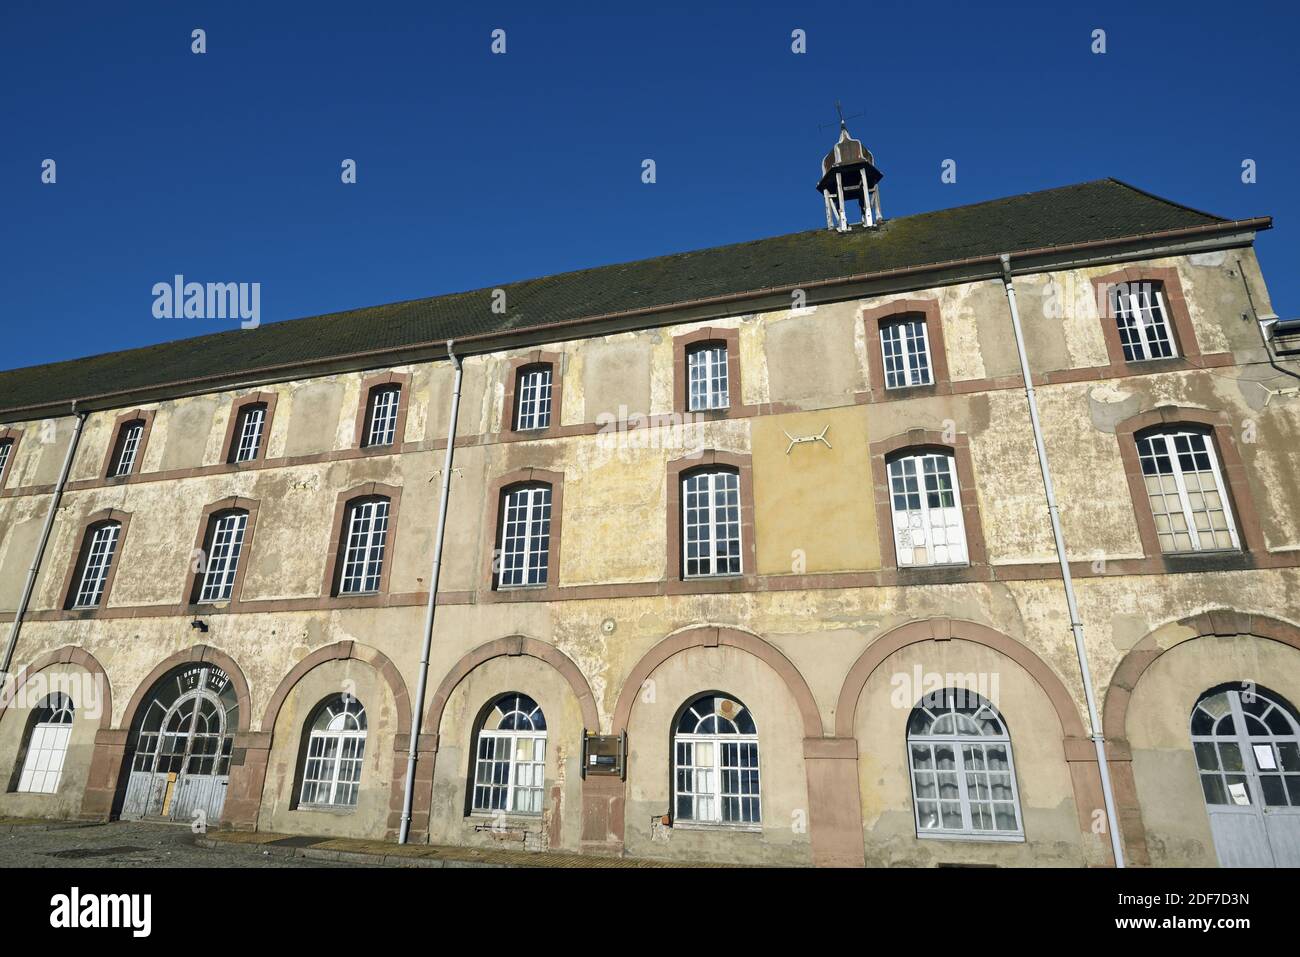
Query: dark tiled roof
[1086, 212]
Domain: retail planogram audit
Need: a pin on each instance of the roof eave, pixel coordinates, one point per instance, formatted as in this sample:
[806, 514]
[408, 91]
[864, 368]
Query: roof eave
[1236, 232]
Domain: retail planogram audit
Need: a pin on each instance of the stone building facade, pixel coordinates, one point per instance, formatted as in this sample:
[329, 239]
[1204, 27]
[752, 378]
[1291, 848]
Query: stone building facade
[745, 512]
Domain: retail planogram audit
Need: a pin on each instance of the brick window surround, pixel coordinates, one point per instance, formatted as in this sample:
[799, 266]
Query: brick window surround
[194, 579]
[233, 426]
[678, 470]
[13, 437]
[72, 580]
[339, 534]
[1180, 320]
[918, 441]
[1244, 514]
[681, 373]
[496, 498]
[368, 387]
[115, 444]
[508, 408]
[874, 318]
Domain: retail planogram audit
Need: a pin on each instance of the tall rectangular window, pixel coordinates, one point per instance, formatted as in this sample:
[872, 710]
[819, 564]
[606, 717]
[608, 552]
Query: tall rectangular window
[248, 442]
[224, 545]
[6, 447]
[383, 415]
[99, 558]
[707, 377]
[711, 524]
[363, 549]
[1143, 321]
[1186, 491]
[534, 392]
[906, 351]
[926, 503]
[128, 445]
[525, 537]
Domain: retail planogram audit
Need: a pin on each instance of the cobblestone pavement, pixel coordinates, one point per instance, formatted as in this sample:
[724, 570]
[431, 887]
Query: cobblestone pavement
[128, 844]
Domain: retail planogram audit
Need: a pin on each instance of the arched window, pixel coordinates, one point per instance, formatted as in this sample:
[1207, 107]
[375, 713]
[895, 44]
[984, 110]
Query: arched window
[715, 763]
[130, 435]
[925, 501]
[365, 533]
[47, 745]
[707, 379]
[510, 763]
[246, 443]
[533, 397]
[6, 449]
[906, 351]
[525, 536]
[1143, 320]
[336, 748]
[94, 564]
[963, 778]
[381, 415]
[1186, 490]
[1247, 744]
[711, 523]
[222, 545]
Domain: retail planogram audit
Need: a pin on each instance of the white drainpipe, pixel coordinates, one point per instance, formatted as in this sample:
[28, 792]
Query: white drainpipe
[40, 547]
[423, 678]
[1076, 625]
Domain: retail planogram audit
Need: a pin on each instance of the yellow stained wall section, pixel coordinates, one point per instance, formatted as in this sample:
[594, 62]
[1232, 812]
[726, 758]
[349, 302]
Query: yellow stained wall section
[814, 505]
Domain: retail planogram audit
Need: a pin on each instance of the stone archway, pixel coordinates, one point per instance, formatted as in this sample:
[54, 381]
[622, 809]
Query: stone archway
[1080, 752]
[105, 789]
[1119, 696]
[594, 802]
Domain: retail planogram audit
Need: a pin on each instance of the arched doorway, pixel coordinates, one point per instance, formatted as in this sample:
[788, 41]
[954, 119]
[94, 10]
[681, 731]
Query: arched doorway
[180, 746]
[1247, 744]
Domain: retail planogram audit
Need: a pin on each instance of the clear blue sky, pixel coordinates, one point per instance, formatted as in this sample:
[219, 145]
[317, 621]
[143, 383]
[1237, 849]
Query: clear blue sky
[477, 169]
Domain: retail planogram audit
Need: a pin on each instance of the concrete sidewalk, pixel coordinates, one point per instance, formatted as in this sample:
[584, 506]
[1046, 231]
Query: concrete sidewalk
[385, 854]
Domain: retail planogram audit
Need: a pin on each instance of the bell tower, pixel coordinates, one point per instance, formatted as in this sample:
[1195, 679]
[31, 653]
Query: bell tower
[849, 174]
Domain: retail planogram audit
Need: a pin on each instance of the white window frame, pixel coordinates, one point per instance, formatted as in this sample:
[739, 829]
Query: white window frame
[363, 547]
[710, 506]
[47, 747]
[1164, 443]
[336, 753]
[249, 442]
[525, 776]
[524, 556]
[1244, 731]
[1142, 318]
[385, 400]
[99, 561]
[905, 349]
[700, 760]
[534, 398]
[708, 382]
[131, 435]
[928, 525]
[958, 741]
[225, 544]
[6, 449]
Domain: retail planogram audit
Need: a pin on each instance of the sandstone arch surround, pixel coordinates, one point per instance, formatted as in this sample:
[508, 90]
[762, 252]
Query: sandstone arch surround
[594, 789]
[1119, 695]
[830, 763]
[111, 743]
[253, 748]
[1080, 752]
[67, 655]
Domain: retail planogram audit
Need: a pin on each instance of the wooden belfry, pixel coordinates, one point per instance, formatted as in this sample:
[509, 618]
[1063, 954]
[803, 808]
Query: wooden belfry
[849, 173]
